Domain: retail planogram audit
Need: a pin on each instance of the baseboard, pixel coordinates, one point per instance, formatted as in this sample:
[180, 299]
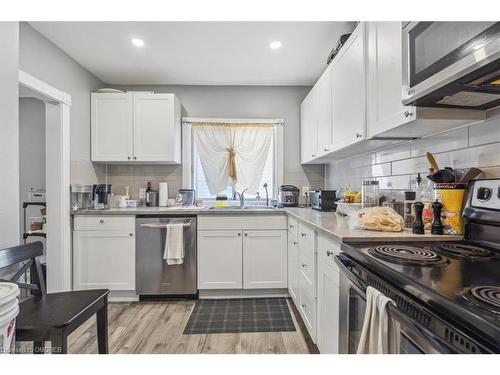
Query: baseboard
[123, 296]
[242, 293]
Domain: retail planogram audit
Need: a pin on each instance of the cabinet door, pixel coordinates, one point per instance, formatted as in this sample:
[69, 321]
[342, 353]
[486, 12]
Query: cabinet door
[328, 310]
[264, 259]
[324, 112]
[385, 108]
[155, 128]
[348, 93]
[328, 296]
[293, 268]
[220, 259]
[104, 260]
[111, 127]
[308, 128]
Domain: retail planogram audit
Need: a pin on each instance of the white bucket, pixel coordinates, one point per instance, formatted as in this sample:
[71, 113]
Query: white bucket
[9, 309]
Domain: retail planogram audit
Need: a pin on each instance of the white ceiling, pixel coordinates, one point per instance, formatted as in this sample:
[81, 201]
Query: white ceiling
[199, 53]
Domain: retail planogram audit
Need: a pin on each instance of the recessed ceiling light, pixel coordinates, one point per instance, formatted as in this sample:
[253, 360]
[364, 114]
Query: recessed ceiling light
[137, 42]
[275, 45]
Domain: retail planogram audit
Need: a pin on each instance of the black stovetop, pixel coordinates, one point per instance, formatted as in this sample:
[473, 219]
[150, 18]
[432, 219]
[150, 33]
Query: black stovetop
[443, 282]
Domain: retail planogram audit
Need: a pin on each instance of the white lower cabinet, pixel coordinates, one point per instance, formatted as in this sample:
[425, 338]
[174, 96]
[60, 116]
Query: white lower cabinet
[246, 257]
[220, 259]
[103, 257]
[328, 296]
[293, 260]
[264, 259]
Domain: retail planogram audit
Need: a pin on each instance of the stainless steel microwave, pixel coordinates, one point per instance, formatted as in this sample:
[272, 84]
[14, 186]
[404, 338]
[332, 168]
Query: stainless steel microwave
[451, 64]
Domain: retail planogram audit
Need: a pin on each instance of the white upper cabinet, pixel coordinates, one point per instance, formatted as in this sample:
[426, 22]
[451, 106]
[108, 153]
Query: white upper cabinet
[157, 129]
[385, 108]
[111, 120]
[136, 128]
[308, 128]
[348, 91]
[324, 112]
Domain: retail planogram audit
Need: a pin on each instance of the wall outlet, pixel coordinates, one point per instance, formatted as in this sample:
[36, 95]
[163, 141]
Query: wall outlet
[305, 191]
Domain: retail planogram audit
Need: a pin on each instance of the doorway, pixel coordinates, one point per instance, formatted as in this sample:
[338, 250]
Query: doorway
[54, 105]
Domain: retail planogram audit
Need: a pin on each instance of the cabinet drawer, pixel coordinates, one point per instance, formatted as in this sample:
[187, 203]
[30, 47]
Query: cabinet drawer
[293, 229]
[242, 222]
[308, 311]
[105, 222]
[307, 273]
[327, 250]
[307, 240]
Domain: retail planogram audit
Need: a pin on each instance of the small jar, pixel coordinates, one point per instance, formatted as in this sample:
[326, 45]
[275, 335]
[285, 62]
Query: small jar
[369, 193]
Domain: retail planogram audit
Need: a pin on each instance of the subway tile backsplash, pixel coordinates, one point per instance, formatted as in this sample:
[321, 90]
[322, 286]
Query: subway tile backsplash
[396, 168]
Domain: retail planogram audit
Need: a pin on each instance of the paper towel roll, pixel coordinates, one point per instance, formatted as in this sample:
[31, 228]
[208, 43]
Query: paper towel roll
[163, 188]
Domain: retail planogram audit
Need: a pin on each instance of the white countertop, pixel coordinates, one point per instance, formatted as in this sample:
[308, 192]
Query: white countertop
[328, 223]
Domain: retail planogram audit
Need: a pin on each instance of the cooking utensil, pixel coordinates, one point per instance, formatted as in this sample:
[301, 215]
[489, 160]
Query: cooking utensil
[432, 161]
[471, 173]
[442, 176]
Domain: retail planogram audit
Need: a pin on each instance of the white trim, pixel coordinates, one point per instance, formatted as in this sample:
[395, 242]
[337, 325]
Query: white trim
[187, 157]
[57, 114]
[242, 293]
[190, 120]
[46, 92]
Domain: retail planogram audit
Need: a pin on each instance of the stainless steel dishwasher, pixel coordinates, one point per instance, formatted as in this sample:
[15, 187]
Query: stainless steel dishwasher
[154, 277]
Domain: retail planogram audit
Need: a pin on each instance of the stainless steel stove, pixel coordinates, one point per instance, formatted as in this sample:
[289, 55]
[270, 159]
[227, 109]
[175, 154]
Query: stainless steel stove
[447, 293]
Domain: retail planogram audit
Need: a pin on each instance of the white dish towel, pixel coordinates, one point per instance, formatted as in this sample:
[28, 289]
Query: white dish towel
[174, 244]
[380, 333]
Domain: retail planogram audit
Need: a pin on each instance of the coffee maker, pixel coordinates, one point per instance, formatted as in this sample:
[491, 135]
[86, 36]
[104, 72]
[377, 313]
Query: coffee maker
[101, 194]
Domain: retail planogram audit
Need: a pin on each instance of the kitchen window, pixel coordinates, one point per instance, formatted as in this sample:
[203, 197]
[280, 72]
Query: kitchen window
[222, 156]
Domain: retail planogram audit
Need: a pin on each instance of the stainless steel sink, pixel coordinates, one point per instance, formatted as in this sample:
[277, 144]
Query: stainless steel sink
[258, 208]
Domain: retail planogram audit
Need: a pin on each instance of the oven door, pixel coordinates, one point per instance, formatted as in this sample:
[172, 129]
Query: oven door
[414, 339]
[436, 54]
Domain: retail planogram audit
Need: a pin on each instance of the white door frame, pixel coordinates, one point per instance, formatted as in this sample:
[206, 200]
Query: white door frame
[57, 172]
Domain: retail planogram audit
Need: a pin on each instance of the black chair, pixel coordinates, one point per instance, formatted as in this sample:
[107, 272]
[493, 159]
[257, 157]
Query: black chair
[52, 317]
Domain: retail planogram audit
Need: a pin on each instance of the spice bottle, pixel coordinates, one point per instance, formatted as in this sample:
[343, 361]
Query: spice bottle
[409, 211]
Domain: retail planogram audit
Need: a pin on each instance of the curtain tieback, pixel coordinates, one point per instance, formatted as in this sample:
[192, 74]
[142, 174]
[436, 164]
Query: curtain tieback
[232, 164]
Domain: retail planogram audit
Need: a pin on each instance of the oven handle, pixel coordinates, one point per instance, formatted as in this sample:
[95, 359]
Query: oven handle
[434, 344]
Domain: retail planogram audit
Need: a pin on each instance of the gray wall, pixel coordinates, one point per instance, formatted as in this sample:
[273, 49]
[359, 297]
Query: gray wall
[31, 150]
[396, 168]
[44, 60]
[229, 102]
[9, 140]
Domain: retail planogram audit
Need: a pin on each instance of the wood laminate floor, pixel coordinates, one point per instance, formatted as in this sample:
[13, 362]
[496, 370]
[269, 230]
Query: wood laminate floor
[157, 327]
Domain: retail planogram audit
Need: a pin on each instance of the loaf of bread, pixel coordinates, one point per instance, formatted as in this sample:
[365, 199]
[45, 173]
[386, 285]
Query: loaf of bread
[380, 218]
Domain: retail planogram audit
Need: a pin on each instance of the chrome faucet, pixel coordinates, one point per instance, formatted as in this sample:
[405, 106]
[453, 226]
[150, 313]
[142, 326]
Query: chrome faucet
[241, 197]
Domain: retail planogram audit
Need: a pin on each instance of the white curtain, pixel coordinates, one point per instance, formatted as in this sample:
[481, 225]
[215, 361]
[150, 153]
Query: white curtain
[232, 151]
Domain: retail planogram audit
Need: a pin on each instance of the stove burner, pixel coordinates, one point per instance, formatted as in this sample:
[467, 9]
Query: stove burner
[466, 251]
[409, 255]
[486, 297]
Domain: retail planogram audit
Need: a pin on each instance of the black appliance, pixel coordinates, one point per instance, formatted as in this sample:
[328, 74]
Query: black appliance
[343, 38]
[288, 196]
[447, 293]
[324, 200]
[101, 194]
[451, 64]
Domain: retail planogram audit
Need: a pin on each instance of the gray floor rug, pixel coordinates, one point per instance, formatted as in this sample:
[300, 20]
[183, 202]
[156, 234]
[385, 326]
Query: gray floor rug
[240, 315]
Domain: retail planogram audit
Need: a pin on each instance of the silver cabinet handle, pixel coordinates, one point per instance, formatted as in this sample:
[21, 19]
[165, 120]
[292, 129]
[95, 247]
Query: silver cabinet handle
[313, 155]
[135, 157]
[295, 243]
[128, 157]
[246, 234]
[304, 265]
[304, 306]
[328, 253]
[408, 113]
[359, 135]
[303, 234]
[291, 226]
[239, 234]
[326, 149]
[131, 234]
[101, 221]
